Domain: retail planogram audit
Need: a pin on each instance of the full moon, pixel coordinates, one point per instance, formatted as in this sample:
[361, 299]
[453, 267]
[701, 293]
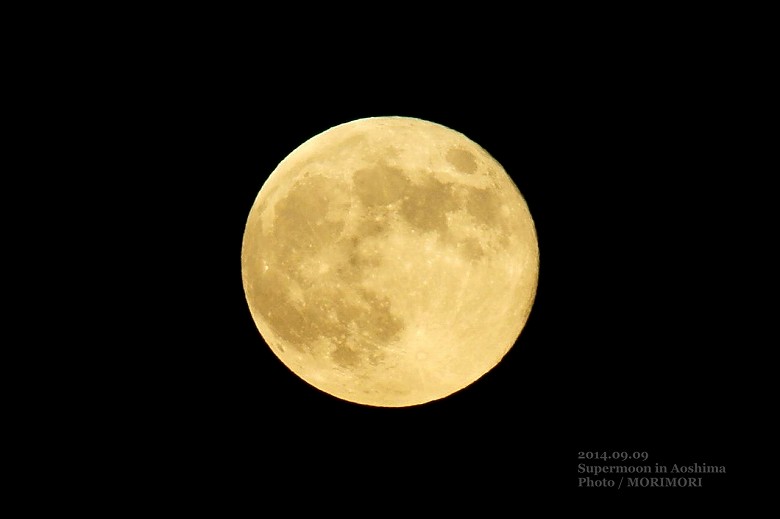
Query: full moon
[390, 261]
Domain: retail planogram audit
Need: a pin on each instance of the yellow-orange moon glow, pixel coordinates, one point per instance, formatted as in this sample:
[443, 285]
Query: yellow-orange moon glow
[390, 261]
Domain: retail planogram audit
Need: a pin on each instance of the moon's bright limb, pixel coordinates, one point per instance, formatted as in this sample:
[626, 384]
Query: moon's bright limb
[390, 261]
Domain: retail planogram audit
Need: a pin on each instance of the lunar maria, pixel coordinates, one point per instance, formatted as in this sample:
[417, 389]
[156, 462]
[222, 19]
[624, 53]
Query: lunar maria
[390, 261]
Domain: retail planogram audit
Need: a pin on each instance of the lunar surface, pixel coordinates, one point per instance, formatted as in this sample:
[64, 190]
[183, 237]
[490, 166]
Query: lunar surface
[390, 261]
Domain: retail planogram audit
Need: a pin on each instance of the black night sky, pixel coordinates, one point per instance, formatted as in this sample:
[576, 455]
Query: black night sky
[628, 168]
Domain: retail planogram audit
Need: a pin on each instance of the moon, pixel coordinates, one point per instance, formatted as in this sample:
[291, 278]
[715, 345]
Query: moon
[390, 261]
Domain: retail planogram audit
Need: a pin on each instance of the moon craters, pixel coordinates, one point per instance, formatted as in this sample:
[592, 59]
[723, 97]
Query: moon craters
[380, 185]
[389, 261]
[462, 160]
[308, 284]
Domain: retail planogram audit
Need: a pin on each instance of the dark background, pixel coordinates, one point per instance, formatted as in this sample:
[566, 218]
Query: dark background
[639, 141]
[631, 164]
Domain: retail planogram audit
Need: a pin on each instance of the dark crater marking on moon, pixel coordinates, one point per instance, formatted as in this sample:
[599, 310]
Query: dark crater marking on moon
[358, 321]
